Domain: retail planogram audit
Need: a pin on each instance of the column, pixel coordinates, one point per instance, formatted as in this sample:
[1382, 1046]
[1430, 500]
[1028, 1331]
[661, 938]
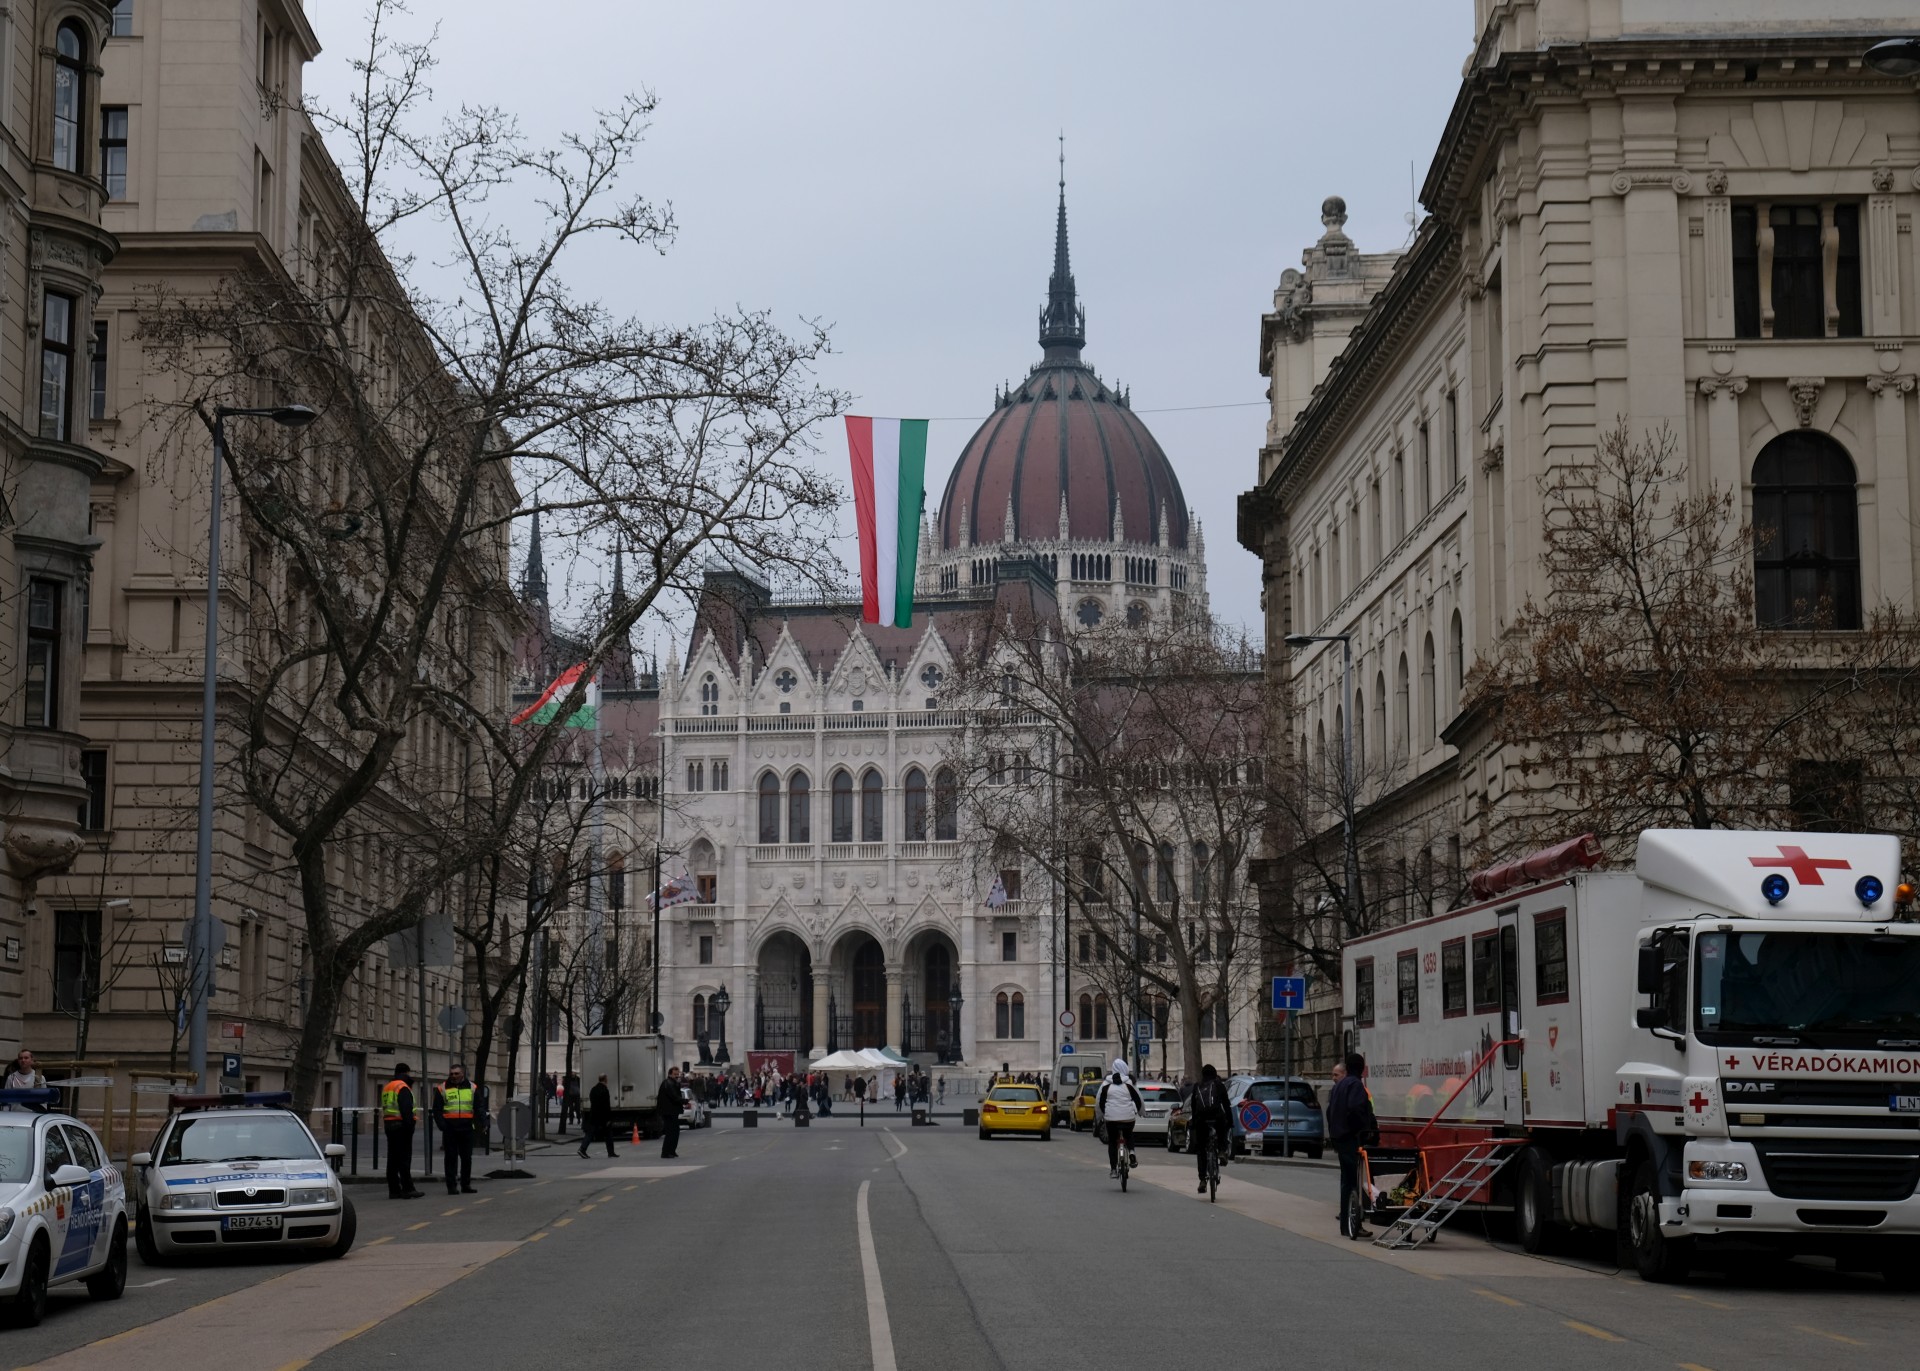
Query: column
[822, 980]
[896, 983]
[1891, 562]
[1724, 460]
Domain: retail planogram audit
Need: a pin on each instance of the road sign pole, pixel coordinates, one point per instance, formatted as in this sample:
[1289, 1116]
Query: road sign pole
[1286, 1129]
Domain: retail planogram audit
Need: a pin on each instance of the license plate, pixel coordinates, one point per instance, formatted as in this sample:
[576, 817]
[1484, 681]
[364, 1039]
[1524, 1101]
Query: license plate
[240, 1223]
[1905, 1104]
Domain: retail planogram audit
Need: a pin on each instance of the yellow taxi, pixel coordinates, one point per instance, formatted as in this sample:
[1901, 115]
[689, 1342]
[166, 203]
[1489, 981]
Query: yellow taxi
[1085, 1102]
[1016, 1109]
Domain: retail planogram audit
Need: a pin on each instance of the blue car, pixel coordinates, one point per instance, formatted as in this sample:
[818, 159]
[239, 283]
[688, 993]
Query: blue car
[1293, 1110]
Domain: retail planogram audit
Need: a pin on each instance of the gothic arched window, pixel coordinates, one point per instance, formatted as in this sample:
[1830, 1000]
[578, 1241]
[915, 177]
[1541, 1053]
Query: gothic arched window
[799, 808]
[946, 805]
[916, 813]
[842, 807]
[709, 694]
[1429, 719]
[872, 827]
[1806, 534]
[769, 807]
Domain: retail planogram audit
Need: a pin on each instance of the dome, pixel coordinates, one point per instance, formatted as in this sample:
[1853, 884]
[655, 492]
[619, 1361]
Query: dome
[1063, 431]
[1062, 434]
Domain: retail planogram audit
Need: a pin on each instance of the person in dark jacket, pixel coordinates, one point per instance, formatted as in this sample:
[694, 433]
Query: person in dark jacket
[670, 1103]
[1208, 1120]
[453, 1107]
[1351, 1126]
[396, 1117]
[599, 1118]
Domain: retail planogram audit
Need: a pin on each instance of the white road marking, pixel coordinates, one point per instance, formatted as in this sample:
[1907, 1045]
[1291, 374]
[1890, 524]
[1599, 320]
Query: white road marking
[879, 1329]
[148, 1285]
[891, 1141]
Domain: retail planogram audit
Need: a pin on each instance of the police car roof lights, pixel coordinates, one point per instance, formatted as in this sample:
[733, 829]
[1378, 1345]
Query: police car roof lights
[40, 1095]
[252, 1099]
[1775, 888]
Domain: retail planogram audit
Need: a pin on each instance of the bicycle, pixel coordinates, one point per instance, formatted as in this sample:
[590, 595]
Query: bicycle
[1128, 1158]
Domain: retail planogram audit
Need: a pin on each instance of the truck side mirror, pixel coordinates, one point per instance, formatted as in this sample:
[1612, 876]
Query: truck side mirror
[1650, 1017]
[1650, 971]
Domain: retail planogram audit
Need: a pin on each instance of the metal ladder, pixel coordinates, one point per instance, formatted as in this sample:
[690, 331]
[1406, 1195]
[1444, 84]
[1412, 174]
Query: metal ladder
[1422, 1221]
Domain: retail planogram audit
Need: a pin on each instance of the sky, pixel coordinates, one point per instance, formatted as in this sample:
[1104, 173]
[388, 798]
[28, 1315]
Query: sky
[891, 169]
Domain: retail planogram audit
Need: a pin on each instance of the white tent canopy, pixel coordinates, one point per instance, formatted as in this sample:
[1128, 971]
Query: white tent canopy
[862, 1059]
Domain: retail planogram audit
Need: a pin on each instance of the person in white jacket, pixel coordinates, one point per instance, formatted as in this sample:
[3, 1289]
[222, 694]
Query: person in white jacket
[1119, 1106]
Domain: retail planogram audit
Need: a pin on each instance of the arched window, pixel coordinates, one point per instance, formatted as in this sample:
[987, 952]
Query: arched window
[916, 812]
[1320, 750]
[1142, 861]
[69, 96]
[1100, 1016]
[1359, 758]
[1806, 534]
[946, 805]
[769, 807]
[1164, 888]
[799, 808]
[1086, 1017]
[1202, 875]
[1403, 709]
[709, 694]
[1456, 662]
[1380, 718]
[872, 829]
[699, 1017]
[1429, 719]
[1162, 1015]
[1019, 1016]
[842, 807]
[1002, 1016]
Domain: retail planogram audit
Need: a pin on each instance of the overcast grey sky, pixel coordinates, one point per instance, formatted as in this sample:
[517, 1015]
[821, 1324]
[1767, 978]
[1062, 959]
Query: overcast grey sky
[890, 168]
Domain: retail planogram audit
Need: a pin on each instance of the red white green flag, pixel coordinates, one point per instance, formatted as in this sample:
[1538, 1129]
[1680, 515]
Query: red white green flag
[889, 471]
[547, 708]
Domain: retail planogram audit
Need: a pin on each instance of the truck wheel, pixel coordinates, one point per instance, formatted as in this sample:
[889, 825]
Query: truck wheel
[1656, 1256]
[1533, 1201]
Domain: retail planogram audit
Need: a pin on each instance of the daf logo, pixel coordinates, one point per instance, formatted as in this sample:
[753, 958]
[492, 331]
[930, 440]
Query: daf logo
[1748, 1087]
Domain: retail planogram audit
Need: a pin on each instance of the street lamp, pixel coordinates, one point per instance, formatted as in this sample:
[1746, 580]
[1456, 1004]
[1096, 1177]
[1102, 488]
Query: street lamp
[720, 1004]
[1895, 57]
[1352, 859]
[200, 950]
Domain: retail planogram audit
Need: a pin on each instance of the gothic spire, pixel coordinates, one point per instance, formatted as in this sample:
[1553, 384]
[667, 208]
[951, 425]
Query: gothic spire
[533, 584]
[1063, 323]
[619, 579]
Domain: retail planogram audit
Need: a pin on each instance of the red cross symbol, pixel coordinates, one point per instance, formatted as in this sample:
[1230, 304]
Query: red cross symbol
[1806, 870]
[1733, 1063]
[1700, 1103]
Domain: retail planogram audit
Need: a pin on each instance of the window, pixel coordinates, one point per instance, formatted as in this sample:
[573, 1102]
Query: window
[1086, 948]
[69, 95]
[113, 150]
[84, 1152]
[1086, 1016]
[56, 365]
[1784, 256]
[699, 1017]
[617, 882]
[696, 777]
[946, 805]
[706, 949]
[784, 680]
[1550, 957]
[1019, 1015]
[1099, 1016]
[707, 887]
[1456, 661]
[842, 807]
[42, 692]
[1399, 521]
[1402, 708]
[1486, 973]
[1009, 946]
[1162, 1015]
[1202, 874]
[709, 695]
[916, 809]
[1002, 1016]
[93, 774]
[1806, 538]
[1453, 978]
[1429, 720]
[872, 802]
[799, 808]
[719, 772]
[76, 958]
[1453, 438]
[1164, 889]
[1160, 948]
[1363, 993]
[1425, 438]
[1406, 972]
[1213, 1020]
[1089, 613]
[122, 19]
[769, 807]
[97, 391]
[57, 1153]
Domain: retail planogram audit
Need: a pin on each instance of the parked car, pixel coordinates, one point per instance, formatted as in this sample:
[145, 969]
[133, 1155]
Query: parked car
[1290, 1105]
[1158, 1100]
[1083, 1104]
[63, 1213]
[696, 1114]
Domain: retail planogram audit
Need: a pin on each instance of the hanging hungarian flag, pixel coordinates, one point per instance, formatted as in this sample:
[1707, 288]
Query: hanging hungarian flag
[682, 889]
[545, 709]
[997, 894]
[889, 469]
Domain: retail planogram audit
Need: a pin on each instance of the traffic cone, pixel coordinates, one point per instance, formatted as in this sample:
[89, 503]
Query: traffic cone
[636, 1135]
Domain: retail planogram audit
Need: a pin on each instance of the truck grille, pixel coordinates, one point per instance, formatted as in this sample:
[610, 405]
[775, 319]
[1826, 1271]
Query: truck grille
[229, 1199]
[1809, 1169]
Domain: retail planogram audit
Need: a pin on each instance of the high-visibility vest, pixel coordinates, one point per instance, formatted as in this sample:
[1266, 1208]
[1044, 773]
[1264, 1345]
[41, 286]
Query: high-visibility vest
[456, 1103]
[390, 1099]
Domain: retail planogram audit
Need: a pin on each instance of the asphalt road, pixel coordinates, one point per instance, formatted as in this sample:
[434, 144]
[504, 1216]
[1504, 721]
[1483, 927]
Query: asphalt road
[838, 1247]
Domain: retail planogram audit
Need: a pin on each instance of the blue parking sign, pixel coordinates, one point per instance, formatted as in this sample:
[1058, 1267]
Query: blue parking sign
[1143, 1031]
[1289, 993]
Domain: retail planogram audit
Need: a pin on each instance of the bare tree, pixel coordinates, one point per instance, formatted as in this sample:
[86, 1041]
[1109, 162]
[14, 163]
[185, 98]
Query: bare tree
[462, 384]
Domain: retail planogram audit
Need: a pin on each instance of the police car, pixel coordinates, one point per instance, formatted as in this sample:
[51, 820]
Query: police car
[233, 1170]
[63, 1208]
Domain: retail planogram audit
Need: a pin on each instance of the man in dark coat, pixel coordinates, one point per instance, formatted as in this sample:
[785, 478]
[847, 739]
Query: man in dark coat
[670, 1103]
[397, 1119]
[599, 1120]
[1350, 1127]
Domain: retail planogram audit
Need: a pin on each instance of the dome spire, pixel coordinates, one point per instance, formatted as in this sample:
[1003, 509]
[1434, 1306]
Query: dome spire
[1063, 323]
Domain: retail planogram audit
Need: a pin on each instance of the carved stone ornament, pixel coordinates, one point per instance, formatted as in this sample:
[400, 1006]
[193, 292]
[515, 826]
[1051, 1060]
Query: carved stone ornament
[839, 880]
[34, 850]
[1805, 391]
[1711, 386]
[1898, 385]
[1717, 181]
[1494, 457]
[1883, 180]
[799, 879]
[1678, 181]
[766, 880]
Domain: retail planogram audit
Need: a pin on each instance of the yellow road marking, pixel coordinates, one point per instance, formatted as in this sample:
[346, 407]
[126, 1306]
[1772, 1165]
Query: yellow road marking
[416, 1227]
[1503, 1299]
[562, 1223]
[629, 1187]
[377, 1241]
[1822, 1333]
[516, 1189]
[488, 1200]
[295, 1365]
[1693, 1366]
[1592, 1332]
[449, 1213]
[1700, 1299]
[537, 1236]
[605, 1198]
[588, 1208]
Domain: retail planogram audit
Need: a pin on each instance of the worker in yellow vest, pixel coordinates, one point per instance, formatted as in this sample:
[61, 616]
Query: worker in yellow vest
[453, 1106]
[396, 1117]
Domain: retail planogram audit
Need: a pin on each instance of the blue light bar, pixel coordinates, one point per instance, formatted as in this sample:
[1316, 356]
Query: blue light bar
[44, 1095]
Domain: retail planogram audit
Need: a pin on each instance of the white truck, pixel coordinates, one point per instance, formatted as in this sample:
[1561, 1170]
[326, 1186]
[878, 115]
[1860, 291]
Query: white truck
[634, 1065]
[1720, 1048]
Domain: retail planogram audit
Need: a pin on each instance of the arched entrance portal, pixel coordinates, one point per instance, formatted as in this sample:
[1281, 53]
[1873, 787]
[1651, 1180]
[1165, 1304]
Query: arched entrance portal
[869, 996]
[931, 1022]
[783, 1001]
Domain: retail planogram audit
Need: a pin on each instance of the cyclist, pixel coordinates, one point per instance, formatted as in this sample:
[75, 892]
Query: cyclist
[1208, 1120]
[1118, 1109]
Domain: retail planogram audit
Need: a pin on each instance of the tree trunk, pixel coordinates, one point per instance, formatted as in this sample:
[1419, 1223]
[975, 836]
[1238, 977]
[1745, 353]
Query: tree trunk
[316, 1034]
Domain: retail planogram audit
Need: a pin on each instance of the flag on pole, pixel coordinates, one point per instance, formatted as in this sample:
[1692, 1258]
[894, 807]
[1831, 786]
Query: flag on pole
[997, 894]
[682, 889]
[547, 707]
[889, 470]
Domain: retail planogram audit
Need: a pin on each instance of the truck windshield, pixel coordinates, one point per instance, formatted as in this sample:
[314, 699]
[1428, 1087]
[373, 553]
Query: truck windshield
[1822, 989]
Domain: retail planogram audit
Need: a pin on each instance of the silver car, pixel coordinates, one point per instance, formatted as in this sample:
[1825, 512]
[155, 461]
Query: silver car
[1158, 1101]
[696, 1114]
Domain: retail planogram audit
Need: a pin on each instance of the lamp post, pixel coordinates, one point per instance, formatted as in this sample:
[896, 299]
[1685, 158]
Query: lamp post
[720, 1004]
[200, 952]
[1352, 859]
[1895, 57]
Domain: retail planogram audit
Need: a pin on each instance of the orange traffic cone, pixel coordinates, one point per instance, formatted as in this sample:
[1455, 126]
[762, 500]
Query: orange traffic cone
[636, 1135]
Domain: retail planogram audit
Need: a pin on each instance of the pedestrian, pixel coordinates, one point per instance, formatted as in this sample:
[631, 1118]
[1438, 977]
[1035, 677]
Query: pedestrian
[1350, 1127]
[899, 1092]
[453, 1104]
[598, 1123]
[396, 1117]
[670, 1104]
[23, 1075]
[569, 1099]
[943, 1090]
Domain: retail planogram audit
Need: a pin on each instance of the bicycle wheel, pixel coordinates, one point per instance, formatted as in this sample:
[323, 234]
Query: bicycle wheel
[1124, 1168]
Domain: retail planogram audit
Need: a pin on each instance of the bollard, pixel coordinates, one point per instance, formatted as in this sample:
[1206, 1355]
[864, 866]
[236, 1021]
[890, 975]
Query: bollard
[749, 1118]
[970, 1118]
